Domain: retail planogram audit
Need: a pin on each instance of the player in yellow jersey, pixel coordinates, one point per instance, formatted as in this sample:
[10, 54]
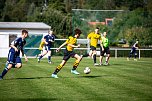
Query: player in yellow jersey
[105, 49]
[41, 47]
[93, 38]
[70, 43]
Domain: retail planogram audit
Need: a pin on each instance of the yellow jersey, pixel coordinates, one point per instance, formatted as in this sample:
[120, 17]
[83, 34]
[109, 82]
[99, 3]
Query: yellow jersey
[41, 45]
[94, 38]
[71, 40]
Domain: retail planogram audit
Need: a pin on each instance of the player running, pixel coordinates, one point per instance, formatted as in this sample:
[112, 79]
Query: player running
[48, 40]
[14, 60]
[133, 51]
[42, 43]
[93, 38]
[105, 49]
[68, 52]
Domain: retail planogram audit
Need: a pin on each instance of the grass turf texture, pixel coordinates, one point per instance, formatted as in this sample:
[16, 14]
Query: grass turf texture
[122, 80]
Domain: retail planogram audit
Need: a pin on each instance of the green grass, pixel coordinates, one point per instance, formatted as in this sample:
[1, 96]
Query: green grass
[120, 81]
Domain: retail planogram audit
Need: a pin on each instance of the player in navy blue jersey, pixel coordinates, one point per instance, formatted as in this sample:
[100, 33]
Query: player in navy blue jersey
[48, 40]
[14, 60]
[133, 51]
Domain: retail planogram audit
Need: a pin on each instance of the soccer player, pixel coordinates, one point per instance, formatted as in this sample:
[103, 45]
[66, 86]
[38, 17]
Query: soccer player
[93, 38]
[14, 60]
[48, 40]
[42, 43]
[68, 52]
[133, 51]
[105, 49]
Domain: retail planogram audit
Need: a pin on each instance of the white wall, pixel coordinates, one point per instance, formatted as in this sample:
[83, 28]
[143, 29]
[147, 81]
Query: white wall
[4, 45]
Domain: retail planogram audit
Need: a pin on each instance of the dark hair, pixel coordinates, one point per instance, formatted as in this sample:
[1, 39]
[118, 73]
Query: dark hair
[77, 31]
[24, 31]
[97, 27]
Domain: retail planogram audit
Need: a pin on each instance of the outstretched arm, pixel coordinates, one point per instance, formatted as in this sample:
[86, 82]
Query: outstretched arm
[58, 49]
[74, 46]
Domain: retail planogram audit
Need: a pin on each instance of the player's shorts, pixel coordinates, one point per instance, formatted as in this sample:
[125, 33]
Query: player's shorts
[93, 48]
[106, 50]
[68, 54]
[47, 48]
[12, 58]
[133, 50]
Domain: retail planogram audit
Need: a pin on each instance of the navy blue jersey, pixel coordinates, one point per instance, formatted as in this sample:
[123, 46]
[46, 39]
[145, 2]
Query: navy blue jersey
[18, 43]
[49, 38]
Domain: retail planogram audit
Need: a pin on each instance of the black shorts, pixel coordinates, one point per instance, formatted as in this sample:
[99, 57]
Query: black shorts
[106, 50]
[68, 54]
[93, 48]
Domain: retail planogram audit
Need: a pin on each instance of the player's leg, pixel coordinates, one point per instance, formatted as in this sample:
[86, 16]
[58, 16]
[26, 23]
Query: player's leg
[90, 53]
[49, 56]
[135, 55]
[41, 56]
[130, 54]
[101, 57]
[107, 59]
[10, 63]
[76, 63]
[58, 68]
[94, 55]
[18, 62]
[107, 50]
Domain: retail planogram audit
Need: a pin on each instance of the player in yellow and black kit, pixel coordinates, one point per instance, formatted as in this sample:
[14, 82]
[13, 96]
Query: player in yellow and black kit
[71, 44]
[41, 47]
[93, 38]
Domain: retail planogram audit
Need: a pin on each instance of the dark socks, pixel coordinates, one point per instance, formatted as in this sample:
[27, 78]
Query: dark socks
[40, 57]
[49, 58]
[58, 68]
[75, 65]
[4, 72]
[94, 58]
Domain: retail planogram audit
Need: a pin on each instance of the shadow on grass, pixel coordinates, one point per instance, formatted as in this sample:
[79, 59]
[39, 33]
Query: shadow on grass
[30, 99]
[26, 78]
[92, 76]
[80, 76]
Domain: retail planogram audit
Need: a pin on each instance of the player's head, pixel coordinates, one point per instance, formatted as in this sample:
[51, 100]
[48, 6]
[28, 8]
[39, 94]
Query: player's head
[50, 32]
[24, 33]
[137, 41]
[97, 30]
[77, 32]
[104, 34]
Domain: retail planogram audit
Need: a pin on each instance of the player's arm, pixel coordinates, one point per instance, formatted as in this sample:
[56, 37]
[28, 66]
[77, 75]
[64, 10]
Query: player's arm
[23, 54]
[101, 44]
[14, 47]
[44, 40]
[74, 46]
[53, 39]
[15, 42]
[58, 49]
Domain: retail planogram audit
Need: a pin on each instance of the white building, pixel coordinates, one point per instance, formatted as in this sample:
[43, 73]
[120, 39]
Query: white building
[8, 30]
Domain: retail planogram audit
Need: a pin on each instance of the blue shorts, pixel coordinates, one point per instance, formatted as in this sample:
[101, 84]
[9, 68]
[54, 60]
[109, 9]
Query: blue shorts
[47, 48]
[12, 58]
[133, 51]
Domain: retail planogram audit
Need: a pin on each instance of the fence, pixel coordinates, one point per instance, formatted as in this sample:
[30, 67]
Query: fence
[85, 48]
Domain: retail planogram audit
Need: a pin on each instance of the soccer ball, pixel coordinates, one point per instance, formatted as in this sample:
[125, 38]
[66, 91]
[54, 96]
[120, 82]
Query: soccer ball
[87, 70]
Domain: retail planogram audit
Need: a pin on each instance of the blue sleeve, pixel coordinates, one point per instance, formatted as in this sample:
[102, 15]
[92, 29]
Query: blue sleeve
[15, 42]
[45, 37]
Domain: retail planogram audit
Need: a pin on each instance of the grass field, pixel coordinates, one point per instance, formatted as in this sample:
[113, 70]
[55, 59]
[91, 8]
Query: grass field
[120, 81]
